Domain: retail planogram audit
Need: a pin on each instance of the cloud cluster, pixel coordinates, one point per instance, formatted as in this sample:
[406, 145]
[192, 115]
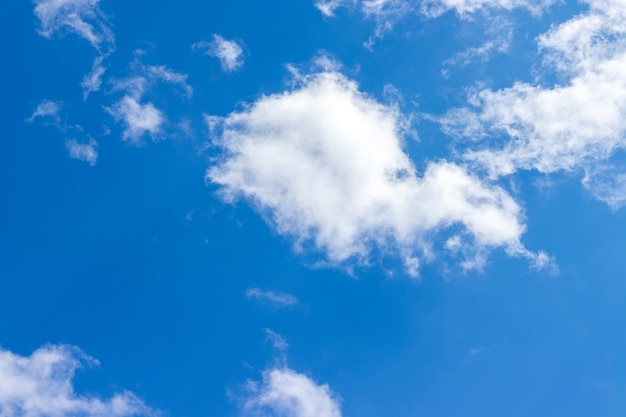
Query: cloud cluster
[285, 392]
[82, 17]
[41, 385]
[141, 117]
[229, 52]
[324, 163]
[577, 124]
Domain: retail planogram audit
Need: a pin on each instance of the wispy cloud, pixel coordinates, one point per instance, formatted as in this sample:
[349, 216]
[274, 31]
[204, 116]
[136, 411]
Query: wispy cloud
[577, 124]
[387, 13]
[277, 298]
[82, 17]
[86, 152]
[466, 8]
[324, 163]
[229, 52]
[93, 81]
[499, 33]
[41, 385]
[284, 392]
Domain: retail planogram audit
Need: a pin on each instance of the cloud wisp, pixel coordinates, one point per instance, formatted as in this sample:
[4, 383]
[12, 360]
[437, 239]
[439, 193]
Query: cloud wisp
[579, 124]
[82, 17]
[279, 299]
[229, 52]
[324, 163]
[41, 385]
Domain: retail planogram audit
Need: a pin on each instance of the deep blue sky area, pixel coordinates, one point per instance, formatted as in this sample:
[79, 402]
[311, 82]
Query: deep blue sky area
[184, 259]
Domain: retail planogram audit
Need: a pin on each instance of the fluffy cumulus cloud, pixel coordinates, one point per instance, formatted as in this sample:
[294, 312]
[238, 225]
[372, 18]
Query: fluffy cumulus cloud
[577, 124]
[324, 163]
[82, 17]
[277, 298]
[286, 393]
[41, 385]
[229, 52]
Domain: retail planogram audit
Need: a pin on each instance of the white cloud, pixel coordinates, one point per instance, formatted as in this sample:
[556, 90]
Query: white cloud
[93, 81]
[286, 393]
[578, 124]
[324, 163]
[230, 53]
[139, 119]
[41, 385]
[278, 298]
[47, 108]
[82, 17]
[87, 152]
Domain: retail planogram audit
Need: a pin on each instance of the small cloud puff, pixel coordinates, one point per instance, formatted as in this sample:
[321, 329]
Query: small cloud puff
[47, 108]
[139, 119]
[229, 52]
[87, 152]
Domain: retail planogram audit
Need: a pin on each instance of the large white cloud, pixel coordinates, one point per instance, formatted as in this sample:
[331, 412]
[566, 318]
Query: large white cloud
[82, 17]
[576, 124]
[286, 393]
[41, 385]
[324, 163]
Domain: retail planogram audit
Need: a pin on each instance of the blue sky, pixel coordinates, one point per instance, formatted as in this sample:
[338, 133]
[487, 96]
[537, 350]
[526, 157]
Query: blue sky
[310, 208]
